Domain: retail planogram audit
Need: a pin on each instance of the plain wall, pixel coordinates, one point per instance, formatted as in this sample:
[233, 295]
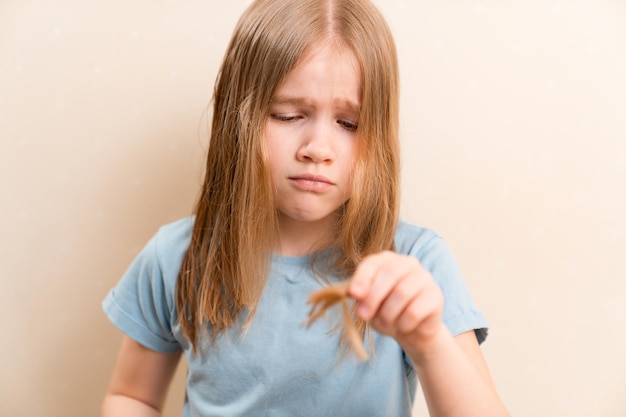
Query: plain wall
[514, 141]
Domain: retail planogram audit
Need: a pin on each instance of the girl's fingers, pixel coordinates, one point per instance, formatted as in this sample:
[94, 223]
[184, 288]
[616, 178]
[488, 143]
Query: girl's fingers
[397, 296]
[414, 306]
[422, 314]
[405, 292]
[364, 276]
[375, 278]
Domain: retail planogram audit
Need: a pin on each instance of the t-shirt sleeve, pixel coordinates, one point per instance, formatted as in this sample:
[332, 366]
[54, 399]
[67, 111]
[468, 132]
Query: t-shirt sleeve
[141, 305]
[460, 313]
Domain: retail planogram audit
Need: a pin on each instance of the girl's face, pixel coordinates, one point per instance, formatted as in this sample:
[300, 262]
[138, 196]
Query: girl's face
[311, 136]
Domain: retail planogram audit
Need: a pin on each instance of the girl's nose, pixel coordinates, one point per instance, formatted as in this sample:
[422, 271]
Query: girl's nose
[317, 144]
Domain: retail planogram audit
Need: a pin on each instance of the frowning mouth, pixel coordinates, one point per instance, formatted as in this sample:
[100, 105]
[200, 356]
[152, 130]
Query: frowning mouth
[310, 182]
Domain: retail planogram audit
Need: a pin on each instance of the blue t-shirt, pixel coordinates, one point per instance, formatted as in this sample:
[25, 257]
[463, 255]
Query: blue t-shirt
[276, 367]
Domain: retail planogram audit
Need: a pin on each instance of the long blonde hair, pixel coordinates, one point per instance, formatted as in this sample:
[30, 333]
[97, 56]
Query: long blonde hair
[236, 226]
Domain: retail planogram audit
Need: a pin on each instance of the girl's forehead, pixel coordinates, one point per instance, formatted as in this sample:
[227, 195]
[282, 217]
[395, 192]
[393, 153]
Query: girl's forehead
[329, 54]
[324, 69]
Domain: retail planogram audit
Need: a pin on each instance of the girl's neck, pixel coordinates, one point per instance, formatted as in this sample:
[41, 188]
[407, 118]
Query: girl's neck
[298, 238]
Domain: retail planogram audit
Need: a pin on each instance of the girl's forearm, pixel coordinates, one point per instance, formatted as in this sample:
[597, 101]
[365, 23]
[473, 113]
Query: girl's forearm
[452, 384]
[121, 406]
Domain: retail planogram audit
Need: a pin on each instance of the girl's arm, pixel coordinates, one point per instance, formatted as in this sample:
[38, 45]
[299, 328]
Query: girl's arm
[140, 381]
[400, 299]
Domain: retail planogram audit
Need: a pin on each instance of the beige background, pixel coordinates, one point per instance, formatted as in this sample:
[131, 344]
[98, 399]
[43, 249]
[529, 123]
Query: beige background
[514, 140]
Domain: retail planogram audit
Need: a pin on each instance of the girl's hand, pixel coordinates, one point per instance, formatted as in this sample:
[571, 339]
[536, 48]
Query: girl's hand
[399, 298]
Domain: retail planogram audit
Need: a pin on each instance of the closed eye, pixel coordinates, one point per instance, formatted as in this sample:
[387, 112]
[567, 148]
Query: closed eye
[284, 118]
[349, 126]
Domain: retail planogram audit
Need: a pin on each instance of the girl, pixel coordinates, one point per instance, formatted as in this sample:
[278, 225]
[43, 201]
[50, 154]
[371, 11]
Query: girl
[301, 190]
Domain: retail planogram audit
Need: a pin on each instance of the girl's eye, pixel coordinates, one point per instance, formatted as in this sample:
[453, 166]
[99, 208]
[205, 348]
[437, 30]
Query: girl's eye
[349, 126]
[283, 118]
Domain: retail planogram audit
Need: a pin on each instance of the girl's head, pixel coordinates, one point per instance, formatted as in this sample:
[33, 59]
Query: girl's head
[236, 217]
[271, 38]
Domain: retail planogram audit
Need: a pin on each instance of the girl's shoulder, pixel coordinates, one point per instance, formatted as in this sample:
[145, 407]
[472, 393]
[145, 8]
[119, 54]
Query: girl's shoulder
[169, 245]
[416, 240]
[176, 233]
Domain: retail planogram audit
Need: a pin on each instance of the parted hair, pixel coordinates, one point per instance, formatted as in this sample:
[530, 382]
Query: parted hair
[236, 221]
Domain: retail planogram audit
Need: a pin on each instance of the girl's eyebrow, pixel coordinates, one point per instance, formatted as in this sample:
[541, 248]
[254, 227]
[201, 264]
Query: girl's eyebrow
[344, 103]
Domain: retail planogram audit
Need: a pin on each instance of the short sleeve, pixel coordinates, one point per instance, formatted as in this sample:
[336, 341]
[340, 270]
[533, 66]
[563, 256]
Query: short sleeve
[460, 313]
[141, 305]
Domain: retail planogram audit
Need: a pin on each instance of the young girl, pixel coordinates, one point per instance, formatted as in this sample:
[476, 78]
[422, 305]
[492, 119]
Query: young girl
[301, 191]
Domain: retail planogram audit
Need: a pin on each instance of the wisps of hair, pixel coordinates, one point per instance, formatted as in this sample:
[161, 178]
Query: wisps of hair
[236, 226]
